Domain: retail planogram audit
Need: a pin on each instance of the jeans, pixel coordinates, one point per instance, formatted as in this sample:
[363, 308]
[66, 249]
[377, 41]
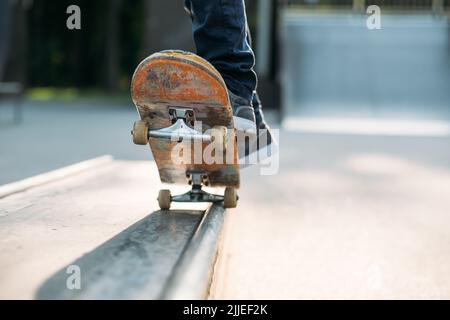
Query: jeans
[221, 37]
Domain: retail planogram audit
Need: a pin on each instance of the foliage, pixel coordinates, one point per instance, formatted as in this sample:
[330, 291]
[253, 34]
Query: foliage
[59, 57]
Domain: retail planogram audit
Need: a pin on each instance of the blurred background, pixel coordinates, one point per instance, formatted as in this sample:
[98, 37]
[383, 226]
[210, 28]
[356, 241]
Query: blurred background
[64, 93]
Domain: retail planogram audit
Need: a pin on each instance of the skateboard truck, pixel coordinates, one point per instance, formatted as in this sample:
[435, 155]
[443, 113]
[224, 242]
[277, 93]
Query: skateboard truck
[197, 195]
[178, 131]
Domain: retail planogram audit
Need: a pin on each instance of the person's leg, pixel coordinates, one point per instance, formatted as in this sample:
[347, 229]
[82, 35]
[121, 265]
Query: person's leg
[265, 136]
[220, 35]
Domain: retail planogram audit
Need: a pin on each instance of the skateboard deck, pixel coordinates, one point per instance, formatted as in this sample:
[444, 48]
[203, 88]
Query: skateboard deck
[167, 85]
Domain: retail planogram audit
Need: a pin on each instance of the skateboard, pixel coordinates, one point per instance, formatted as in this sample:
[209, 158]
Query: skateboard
[182, 101]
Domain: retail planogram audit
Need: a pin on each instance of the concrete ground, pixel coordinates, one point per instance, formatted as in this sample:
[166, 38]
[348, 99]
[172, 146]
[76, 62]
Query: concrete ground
[346, 217]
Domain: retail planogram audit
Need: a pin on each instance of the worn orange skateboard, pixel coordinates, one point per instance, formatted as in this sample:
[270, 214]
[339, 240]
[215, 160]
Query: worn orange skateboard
[183, 104]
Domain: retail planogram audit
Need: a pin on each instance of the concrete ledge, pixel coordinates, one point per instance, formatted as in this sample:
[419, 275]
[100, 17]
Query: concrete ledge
[104, 220]
[167, 255]
[52, 176]
[135, 264]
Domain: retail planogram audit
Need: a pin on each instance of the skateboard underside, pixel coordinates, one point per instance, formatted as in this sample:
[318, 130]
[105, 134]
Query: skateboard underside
[171, 82]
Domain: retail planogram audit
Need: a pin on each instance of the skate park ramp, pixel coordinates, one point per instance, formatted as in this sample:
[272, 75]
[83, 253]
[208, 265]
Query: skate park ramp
[334, 67]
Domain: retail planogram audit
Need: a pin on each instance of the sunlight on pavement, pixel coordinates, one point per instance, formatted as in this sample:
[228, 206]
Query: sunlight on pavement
[369, 126]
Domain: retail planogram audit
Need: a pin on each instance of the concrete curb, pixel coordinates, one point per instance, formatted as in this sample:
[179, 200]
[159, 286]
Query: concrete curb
[164, 255]
[175, 266]
[52, 176]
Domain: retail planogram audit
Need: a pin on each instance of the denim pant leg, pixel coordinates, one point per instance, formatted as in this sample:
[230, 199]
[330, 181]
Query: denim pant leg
[220, 35]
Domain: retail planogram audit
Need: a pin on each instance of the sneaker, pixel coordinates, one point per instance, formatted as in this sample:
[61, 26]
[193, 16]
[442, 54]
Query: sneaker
[245, 125]
[267, 145]
[243, 114]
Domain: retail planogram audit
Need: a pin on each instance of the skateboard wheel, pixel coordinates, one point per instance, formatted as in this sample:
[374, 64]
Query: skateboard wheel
[140, 133]
[164, 199]
[230, 198]
[220, 134]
